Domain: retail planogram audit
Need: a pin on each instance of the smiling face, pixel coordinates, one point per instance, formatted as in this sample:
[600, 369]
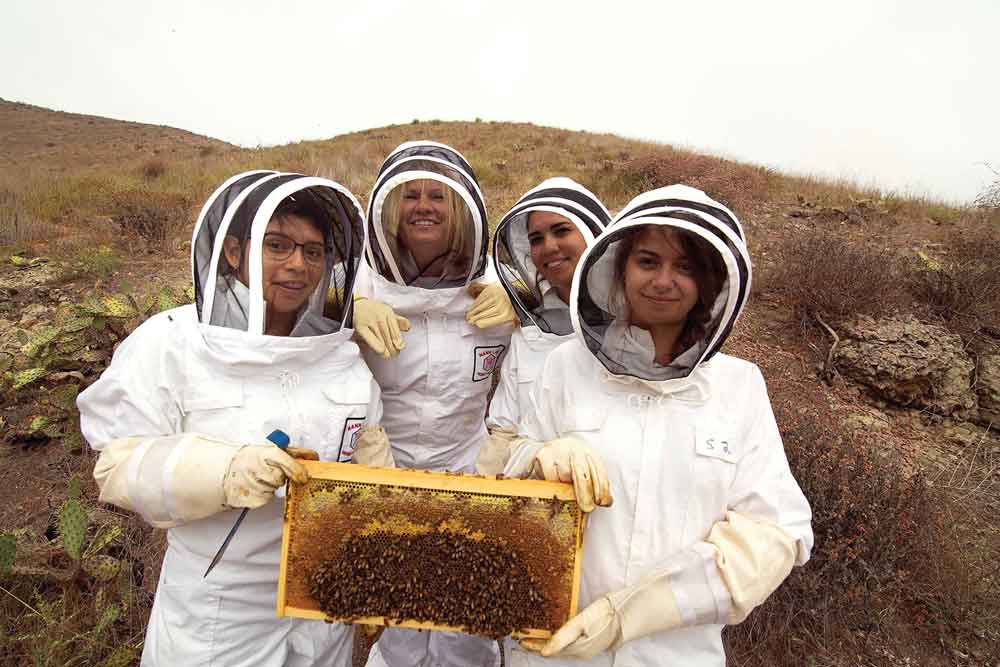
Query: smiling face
[288, 279]
[556, 245]
[660, 284]
[425, 219]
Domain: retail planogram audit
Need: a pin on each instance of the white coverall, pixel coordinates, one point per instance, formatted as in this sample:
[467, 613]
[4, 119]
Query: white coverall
[531, 343]
[435, 391]
[684, 456]
[175, 375]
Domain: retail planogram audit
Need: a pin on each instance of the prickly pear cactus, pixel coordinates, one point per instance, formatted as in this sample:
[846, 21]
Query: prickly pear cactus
[8, 550]
[72, 527]
[108, 616]
[102, 567]
[119, 305]
[27, 376]
[74, 488]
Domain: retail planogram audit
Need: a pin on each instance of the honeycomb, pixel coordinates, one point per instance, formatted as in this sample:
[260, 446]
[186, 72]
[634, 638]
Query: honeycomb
[430, 550]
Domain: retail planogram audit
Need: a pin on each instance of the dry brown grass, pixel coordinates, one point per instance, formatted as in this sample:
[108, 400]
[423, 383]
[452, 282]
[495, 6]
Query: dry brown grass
[740, 186]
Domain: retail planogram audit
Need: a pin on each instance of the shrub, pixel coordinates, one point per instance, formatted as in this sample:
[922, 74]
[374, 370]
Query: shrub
[825, 274]
[963, 286]
[882, 547]
[154, 168]
[149, 216]
[90, 262]
[989, 198]
[739, 186]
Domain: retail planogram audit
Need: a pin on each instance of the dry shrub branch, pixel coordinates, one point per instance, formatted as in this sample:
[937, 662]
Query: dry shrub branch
[149, 216]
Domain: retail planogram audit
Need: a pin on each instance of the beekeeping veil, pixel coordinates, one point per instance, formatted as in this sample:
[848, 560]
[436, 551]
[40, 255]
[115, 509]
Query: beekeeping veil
[598, 305]
[242, 207]
[512, 252]
[426, 217]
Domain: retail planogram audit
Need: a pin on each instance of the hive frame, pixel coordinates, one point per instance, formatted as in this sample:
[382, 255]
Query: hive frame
[433, 481]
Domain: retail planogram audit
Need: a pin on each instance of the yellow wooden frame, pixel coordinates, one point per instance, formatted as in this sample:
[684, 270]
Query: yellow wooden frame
[435, 481]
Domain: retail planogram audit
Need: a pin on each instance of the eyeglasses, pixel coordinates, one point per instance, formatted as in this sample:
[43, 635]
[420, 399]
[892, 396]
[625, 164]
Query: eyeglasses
[279, 248]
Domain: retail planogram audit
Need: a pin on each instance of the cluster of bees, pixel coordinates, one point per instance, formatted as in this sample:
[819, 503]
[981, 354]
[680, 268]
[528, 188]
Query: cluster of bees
[445, 578]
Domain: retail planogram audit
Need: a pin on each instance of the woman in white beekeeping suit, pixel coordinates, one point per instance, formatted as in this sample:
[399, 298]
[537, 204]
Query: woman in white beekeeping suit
[427, 255]
[707, 519]
[536, 248]
[182, 414]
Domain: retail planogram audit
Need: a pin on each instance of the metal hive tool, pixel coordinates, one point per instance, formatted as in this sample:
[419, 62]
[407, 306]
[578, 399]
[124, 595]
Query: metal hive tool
[535, 525]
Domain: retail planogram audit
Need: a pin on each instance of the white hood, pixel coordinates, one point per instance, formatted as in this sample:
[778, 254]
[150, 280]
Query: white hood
[512, 254]
[427, 161]
[244, 204]
[597, 304]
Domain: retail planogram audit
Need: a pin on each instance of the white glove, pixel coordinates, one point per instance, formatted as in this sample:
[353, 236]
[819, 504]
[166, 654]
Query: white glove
[256, 472]
[571, 460]
[495, 452]
[379, 326]
[373, 448]
[491, 307]
[589, 633]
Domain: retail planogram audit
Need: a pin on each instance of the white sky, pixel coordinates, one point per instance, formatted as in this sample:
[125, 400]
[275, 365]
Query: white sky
[902, 95]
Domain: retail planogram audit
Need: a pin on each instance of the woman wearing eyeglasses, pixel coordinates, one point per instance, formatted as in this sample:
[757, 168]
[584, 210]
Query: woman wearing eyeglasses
[182, 415]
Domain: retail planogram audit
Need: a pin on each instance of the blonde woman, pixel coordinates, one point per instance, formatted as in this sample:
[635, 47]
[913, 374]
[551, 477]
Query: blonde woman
[426, 250]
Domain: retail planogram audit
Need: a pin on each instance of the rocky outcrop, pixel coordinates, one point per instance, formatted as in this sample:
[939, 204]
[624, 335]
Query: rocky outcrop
[988, 389]
[910, 363]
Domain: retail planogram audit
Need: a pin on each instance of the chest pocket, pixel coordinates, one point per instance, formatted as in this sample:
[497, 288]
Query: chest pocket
[214, 408]
[346, 414]
[585, 423]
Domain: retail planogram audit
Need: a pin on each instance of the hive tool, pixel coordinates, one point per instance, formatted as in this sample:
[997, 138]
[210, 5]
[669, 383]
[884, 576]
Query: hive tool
[281, 440]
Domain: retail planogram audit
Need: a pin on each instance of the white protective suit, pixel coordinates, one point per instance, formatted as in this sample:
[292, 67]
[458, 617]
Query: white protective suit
[435, 391]
[545, 321]
[707, 519]
[207, 369]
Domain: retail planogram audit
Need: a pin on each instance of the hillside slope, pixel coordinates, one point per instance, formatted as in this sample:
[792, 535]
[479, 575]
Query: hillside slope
[56, 141]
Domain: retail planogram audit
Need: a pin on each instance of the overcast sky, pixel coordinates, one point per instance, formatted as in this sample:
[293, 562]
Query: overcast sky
[902, 95]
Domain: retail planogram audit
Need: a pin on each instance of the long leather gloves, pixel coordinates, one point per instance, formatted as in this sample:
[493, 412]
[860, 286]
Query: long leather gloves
[175, 479]
[379, 326]
[751, 558]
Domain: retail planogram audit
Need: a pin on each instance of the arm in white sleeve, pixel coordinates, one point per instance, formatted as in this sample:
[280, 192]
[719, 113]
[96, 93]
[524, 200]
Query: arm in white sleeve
[540, 422]
[721, 579]
[501, 421]
[373, 448]
[131, 417]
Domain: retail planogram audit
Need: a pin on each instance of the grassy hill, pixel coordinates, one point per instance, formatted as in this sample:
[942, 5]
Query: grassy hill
[904, 571]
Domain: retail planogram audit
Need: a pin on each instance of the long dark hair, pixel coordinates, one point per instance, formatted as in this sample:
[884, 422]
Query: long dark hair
[709, 275]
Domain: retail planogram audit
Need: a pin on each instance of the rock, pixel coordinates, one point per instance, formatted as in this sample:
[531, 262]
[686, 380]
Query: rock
[34, 314]
[909, 363]
[866, 422]
[988, 388]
